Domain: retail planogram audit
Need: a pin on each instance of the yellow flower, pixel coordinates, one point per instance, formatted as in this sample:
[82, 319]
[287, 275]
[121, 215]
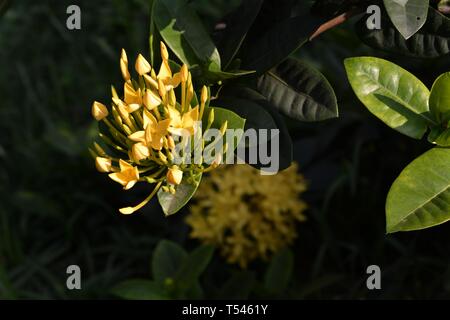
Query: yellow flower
[128, 175]
[174, 175]
[154, 132]
[142, 66]
[151, 99]
[99, 111]
[183, 123]
[165, 73]
[142, 126]
[140, 151]
[124, 66]
[132, 96]
[247, 215]
[103, 164]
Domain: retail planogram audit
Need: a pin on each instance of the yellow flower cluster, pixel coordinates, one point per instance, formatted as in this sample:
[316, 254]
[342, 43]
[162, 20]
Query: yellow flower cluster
[140, 128]
[248, 215]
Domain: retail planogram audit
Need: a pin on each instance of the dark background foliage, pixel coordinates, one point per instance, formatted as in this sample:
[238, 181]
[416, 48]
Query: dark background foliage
[55, 210]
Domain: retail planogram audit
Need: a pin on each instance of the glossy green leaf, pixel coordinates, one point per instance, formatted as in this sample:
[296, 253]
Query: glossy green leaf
[440, 136]
[233, 122]
[443, 139]
[139, 289]
[285, 141]
[182, 30]
[167, 259]
[172, 203]
[420, 197]
[392, 94]
[279, 272]
[237, 25]
[408, 16]
[192, 267]
[299, 91]
[440, 99]
[214, 77]
[431, 41]
[257, 117]
[278, 43]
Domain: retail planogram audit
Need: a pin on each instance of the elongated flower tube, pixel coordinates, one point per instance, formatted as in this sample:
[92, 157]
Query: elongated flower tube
[143, 133]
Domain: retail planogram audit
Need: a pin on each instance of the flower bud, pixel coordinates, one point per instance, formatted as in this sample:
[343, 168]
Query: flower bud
[164, 52]
[172, 98]
[174, 175]
[161, 88]
[142, 66]
[124, 66]
[184, 73]
[162, 157]
[103, 164]
[99, 149]
[223, 128]
[170, 142]
[99, 111]
[151, 100]
[204, 95]
[114, 93]
[150, 82]
[210, 117]
[140, 151]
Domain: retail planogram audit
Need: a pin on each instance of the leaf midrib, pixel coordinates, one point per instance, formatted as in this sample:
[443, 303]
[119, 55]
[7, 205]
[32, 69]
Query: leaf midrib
[181, 23]
[423, 204]
[406, 104]
[307, 96]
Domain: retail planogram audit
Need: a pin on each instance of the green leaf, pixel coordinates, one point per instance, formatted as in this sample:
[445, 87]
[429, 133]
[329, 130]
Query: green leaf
[192, 268]
[299, 91]
[440, 99]
[408, 16]
[431, 41]
[139, 289]
[279, 272]
[278, 43]
[286, 148]
[420, 197]
[233, 122]
[182, 30]
[214, 77]
[172, 203]
[257, 117]
[167, 259]
[237, 25]
[392, 94]
[440, 136]
[444, 138]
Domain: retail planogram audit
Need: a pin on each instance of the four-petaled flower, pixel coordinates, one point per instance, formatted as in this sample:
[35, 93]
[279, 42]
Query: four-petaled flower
[128, 175]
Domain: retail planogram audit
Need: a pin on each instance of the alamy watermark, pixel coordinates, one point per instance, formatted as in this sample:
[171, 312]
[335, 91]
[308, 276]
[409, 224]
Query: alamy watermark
[73, 22]
[373, 281]
[74, 279]
[231, 146]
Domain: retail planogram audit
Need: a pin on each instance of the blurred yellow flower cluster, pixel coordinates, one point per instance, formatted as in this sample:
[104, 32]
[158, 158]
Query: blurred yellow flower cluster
[248, 215]
[140, 127]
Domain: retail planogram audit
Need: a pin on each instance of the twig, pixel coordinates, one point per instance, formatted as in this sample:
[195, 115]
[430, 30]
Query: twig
[335, 22]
